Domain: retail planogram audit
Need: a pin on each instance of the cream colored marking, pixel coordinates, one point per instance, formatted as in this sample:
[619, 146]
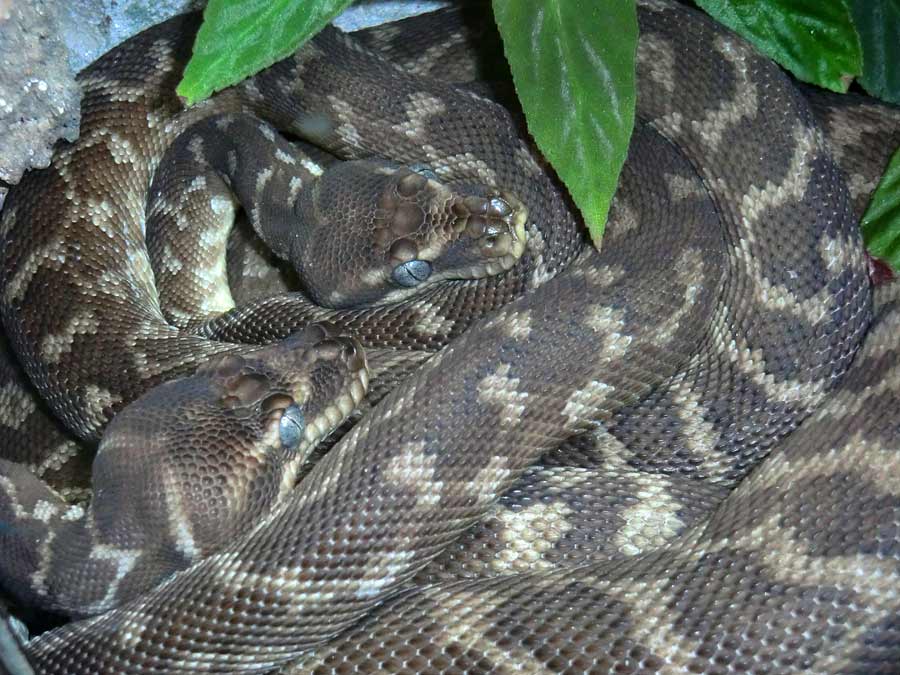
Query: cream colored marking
[94, 400]
[100, 213]
[198, 184]
[263, 179]
[52, 256]
[284, 157]
[13, 497]
[122, 150]
[383, 572]
[653, 520]
[602, 275]
[311, 166]
[45, 560]
[223, 208]
[753, 365]
[806, 143]
[465, 162]
[745, 103]
[420, 108]
[413, 469]
[142, 279]
[345, 114]
[656, 57]
[112, 285]
[875, 462]
[681, 187]
[232, 160]
[485, 487]
[179, 523]
[16, 405]
[528, 534]
[252, 90]
[688, 268]
[623, 219]
[124, 561]
[779, 297]
[267, 132]
[55, 345]
[586, 403]
[609, 323]
[171, 264]
[434, 54]
[500, 389]
[294, 188]
[224, 123]
[851, 406]
[647, 600]
[847, 129]
[526, 162]
[516, 325]
[56, 457]
[44, 511]
[73, 513]
[839, 255]
[195, 147]
[8, 220]
[430, 321]
[670, 124]
[700, 437]
[872, 579]
[861, 186]
[115, 89]
[535, 244]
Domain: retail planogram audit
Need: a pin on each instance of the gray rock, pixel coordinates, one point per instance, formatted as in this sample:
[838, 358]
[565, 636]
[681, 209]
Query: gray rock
[38, 96]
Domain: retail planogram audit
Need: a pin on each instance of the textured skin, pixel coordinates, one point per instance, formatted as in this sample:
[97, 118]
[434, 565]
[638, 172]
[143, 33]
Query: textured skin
[696, 347]
[161, 499]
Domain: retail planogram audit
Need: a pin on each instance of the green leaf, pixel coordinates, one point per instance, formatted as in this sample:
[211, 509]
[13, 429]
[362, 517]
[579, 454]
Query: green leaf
[573, 67]
[814, 39]
[881, 222]
[241, 37]
[878, 25]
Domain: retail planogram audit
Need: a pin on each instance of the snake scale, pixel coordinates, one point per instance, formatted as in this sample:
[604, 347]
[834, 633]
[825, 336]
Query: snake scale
[581, 479]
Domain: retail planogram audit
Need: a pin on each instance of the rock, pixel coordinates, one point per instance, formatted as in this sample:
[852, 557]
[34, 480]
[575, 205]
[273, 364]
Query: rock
[38, 96]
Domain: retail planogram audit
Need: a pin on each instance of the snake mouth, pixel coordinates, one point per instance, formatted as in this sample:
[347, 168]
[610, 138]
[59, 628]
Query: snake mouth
[491, 237]
[333, 379]
[331, 416]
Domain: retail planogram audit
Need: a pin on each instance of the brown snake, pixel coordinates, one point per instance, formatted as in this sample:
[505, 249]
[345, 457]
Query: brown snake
[729, 301]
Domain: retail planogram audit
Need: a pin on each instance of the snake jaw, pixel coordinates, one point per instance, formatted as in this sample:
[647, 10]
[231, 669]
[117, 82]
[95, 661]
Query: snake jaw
[495, 228]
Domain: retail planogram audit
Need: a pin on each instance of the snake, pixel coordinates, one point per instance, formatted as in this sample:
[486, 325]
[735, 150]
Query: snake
[725, 311]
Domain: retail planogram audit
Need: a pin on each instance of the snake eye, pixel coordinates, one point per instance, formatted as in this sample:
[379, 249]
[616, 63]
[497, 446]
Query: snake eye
[411, 273]
[424, 170]
[292, 427]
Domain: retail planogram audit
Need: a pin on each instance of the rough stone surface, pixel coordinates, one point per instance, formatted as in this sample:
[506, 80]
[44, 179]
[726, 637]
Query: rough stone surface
[38, 96]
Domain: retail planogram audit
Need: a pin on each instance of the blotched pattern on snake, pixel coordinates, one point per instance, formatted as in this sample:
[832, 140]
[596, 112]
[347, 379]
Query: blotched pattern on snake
[728, 303]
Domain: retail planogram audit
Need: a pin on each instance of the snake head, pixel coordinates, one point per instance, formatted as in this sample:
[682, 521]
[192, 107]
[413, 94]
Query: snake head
[228, 442]
[378, 232]
[294, 392]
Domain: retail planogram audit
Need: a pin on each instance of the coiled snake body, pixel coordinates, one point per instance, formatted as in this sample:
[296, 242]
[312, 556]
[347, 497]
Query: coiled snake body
[729, 302]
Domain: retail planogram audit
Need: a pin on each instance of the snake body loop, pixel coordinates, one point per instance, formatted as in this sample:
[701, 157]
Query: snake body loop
[729, 301]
